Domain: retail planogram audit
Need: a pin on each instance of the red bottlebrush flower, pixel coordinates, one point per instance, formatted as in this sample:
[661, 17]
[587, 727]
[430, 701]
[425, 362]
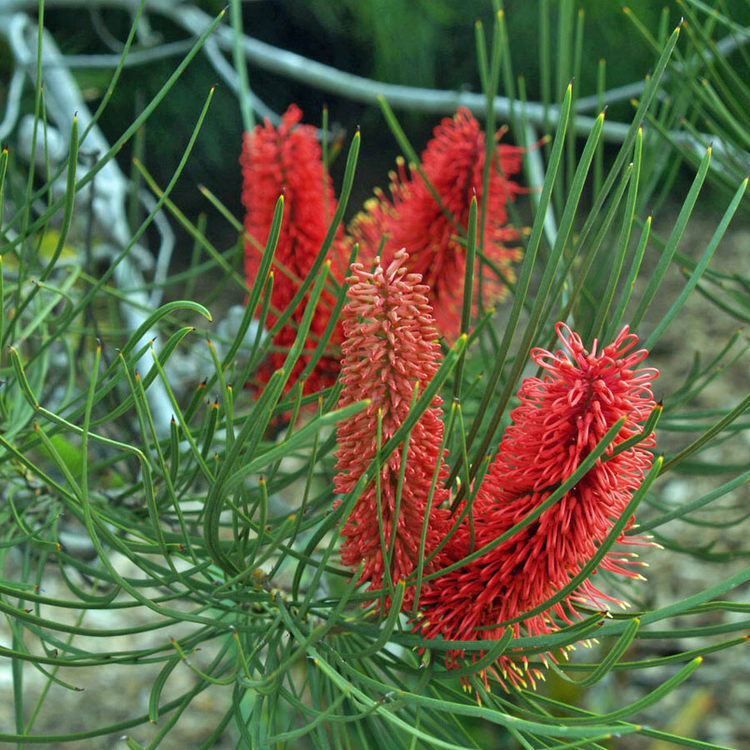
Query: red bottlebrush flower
[288, 160]
[561, 418]
[390, 347]
[454, 164]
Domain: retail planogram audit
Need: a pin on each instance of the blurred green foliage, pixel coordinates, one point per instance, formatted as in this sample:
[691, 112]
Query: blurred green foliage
[431, 42]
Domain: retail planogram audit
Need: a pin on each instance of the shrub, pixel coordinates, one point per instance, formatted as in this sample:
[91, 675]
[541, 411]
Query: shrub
[338, 560]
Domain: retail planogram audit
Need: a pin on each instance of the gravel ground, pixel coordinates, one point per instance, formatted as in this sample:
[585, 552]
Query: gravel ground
[714, 704]
[105, 696]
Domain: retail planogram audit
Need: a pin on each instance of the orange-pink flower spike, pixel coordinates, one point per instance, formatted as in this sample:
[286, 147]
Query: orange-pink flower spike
[390, 347]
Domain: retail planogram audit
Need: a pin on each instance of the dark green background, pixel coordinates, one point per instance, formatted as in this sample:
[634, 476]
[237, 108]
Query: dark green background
[416, 42]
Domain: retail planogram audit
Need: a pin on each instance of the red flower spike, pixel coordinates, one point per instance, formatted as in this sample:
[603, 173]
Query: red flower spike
[390, 347]
[288, 160]
[454, 164]
[561, 418]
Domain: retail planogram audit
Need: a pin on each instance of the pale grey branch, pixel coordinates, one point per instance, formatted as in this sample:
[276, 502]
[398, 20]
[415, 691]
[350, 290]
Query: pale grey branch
[63, 100]
[135, 57]
[12, 103]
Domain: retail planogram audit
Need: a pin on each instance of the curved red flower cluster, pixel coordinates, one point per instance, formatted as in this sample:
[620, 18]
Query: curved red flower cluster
[561, 418]
[453, 162]
[288, 160]
[390, 348]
